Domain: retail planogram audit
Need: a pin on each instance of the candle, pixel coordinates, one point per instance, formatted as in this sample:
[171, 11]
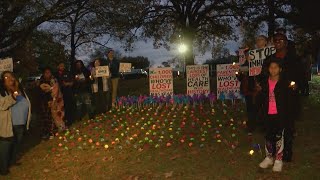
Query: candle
[292, 83]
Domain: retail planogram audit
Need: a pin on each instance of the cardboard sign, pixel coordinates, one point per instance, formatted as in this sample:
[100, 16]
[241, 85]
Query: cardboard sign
[242, 56]
[256, 58]
[6, 65]
[161, 81]
[228, 86]
[125, 67]
[198, 81]
[102, 71]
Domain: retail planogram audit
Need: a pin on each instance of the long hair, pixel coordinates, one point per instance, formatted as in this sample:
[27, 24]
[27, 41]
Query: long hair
[3, 90]
[83, 68]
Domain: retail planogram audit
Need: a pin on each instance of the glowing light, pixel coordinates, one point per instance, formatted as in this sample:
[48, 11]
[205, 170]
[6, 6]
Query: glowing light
[292, 83]
[251, 152]
[182, 48]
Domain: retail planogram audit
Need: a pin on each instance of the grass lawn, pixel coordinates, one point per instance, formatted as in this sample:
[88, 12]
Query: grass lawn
[208, 143]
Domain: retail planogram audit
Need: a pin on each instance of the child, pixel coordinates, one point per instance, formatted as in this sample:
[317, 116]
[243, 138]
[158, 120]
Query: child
[274, 92]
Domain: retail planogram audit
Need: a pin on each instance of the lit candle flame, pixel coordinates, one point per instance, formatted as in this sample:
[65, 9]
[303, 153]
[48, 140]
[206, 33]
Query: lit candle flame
[292, 83]
[251, 152]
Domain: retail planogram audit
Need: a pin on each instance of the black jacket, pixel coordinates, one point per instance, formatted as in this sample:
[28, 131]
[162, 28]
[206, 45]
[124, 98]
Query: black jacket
[114, 67]
[290, 68]
[281, 96]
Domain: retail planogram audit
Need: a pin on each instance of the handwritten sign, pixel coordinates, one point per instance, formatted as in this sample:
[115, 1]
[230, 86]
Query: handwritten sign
[102, 71]
[198, 81]
[125, 67]
[242, 56]
[6, 65]
[161, 81]
[257, 56]
[228, 86]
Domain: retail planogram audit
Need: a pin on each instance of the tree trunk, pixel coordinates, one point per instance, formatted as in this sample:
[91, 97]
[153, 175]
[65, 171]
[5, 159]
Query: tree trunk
[271, 18]
[72, 45]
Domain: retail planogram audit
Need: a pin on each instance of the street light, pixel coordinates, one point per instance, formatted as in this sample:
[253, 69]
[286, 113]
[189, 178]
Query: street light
[182, 48]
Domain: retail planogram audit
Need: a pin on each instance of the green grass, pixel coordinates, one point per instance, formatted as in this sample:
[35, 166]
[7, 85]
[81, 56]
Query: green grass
[46, 160]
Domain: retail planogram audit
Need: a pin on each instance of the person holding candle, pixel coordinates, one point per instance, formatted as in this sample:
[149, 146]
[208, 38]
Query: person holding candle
[274, 96]
[52, 105]
[82, 89]
[66, 82]
[15, 115]
[290, 71]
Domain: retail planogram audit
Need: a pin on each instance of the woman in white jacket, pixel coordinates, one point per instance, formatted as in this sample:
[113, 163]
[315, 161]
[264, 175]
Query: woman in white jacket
[15, 113]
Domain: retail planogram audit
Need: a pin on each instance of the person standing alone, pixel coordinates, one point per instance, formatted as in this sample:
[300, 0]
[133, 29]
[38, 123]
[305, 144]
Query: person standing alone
[114, 66]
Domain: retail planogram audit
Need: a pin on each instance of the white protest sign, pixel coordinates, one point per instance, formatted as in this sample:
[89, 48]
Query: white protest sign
[6, 65]
[102, 71]
[125, 67]
[257, 56]
[161, 81]
[198, 81]
[242, 56]
[228, 86]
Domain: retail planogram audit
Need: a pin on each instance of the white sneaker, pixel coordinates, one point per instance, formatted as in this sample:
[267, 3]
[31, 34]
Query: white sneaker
[277, 167]
[267, 162]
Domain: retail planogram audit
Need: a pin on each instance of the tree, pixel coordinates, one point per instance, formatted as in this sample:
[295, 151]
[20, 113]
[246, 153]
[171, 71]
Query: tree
[38, 51]
[91, 23]
[195, 21]
[138, 62]
[18, 19]
[270, 12]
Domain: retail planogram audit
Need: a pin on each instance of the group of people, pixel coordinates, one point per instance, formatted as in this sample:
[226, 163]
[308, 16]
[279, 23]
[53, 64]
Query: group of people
[65, 97]
[69, 96]
[272, 98]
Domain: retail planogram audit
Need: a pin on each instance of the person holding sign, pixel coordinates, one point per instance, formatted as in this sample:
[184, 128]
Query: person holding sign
[82, 89]
[247, 89]
[274, 93]
[114, 65]
[290, 72]
[261, 42]
[99, 89]
[15, 113]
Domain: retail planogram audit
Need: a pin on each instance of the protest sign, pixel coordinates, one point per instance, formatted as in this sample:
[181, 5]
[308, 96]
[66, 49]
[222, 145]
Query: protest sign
[102, 71]
[242, 56]
[6, 65]
[198, 81]
[257, 56]
[161, 81]
[228, 86]
[125, 67]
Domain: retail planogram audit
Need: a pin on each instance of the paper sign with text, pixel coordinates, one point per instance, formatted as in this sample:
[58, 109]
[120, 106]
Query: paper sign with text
[125, 67]
[256, 58]
[228, 86]
[6, 65]
[161, 81]
[102, 71]
[198, 80]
